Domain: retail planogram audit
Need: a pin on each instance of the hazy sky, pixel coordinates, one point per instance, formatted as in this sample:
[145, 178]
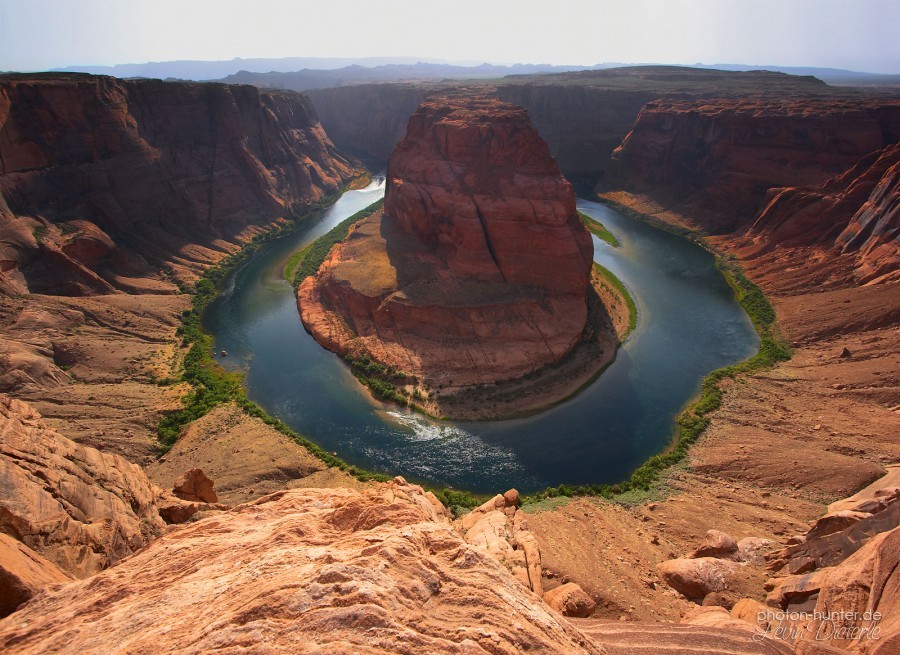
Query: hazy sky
[854, 34]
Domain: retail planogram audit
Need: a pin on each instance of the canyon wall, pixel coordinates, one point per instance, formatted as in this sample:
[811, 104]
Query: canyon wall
[368, 120]
[104, 181]
[581, 124]
[583, 116]
[858, 212]
[715, 160]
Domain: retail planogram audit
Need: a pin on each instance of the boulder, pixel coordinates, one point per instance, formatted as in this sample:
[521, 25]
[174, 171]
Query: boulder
[717, 544]
[570, 600]
[695, 578]
[836, 522]
[193, 485]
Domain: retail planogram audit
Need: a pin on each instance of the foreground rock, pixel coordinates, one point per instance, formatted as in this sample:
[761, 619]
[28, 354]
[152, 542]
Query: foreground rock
[23, 573]
[194, 485]
[695, 578]
[477, 272]
[499, 527]
[81, 509]
[855, 605]
[302, 571]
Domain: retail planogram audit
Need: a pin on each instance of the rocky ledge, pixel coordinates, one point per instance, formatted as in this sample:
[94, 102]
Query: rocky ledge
[477, 271]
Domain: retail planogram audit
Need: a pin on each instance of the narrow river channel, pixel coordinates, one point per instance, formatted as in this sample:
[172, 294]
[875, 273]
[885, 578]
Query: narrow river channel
[688, 325]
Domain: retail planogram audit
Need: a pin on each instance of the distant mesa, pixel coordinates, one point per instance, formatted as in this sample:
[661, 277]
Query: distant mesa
[471, 293]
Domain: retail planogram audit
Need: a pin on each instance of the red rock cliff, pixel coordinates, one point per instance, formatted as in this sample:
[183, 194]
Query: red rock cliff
[104, 180]
[715, 160]
[474, 181]
[856, 214]
[478, 269]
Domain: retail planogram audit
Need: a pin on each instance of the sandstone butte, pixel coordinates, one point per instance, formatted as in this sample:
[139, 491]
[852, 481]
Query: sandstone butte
[476, 274]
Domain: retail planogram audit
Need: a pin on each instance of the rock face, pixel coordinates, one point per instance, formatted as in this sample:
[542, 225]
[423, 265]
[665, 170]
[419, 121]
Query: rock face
[499, 527]
[856, 213]
[23, 573]
[478, 268]
[846, 597]
[715, 160]
[474, 181]
[368, 119]
[303, 571]
[77, 507]
[695, 578]
[104, 181]
[194, 485]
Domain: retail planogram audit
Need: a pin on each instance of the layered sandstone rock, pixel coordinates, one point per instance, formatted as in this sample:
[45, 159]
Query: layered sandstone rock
[853, 605]
[856, 213]
[478, 268]
[79, 508]
[104, 181]
[499, 528]
[194, 485]
[302, 571]
[714, 160]
[23, 573]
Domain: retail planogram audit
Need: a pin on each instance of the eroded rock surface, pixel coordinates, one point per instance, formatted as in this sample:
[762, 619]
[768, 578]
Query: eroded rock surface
[855, 213]
[302, 571]
[81, 509]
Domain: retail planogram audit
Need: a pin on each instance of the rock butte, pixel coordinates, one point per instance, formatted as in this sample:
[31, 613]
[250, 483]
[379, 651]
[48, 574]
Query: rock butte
[478, 269]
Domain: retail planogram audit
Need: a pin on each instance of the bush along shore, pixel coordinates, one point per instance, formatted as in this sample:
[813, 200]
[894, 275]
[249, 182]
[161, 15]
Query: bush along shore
[211, 385]
[694, 420]
[599, 230]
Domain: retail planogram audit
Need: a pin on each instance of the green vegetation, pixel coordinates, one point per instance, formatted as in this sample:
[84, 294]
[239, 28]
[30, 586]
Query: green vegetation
[39, 233]
[599, 230]
[617, 284]
[211, 384]
[692, 422]
[306, 262]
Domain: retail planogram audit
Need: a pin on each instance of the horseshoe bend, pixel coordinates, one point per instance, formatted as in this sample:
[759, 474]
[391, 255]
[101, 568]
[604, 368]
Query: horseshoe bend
[473, 289]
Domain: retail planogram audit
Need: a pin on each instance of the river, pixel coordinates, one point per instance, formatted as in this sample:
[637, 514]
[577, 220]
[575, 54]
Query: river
[688, 325]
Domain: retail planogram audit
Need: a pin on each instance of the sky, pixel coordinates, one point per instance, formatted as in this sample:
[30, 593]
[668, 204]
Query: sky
[861, 35]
